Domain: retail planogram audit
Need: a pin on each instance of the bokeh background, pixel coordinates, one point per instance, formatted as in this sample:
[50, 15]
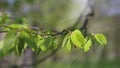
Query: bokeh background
[59, 15]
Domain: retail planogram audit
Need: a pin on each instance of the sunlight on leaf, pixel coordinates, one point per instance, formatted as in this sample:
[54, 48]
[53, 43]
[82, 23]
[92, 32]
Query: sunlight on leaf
[68, 45]
[100, 38]
[87, 45]
[77, 38]
[9, 41]
[18, 26]
[45, 43]
[65, 39]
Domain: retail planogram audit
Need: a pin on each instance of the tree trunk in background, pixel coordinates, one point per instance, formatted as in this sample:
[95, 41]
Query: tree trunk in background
[28, 58]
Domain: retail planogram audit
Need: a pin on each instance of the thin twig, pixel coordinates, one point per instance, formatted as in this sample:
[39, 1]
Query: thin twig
[84, 26]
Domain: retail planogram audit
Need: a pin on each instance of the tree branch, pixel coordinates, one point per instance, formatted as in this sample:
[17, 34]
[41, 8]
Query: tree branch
[84, 26]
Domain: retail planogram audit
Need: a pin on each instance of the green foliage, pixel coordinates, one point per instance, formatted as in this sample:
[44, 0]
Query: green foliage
[54, 43]
[77, 38]
[9, 41]
[45, 43]
[29, 40]
[20, 46]
[87, 45]
[65, 39]
[68, 45]
[100, 38]
[19, 36]
[18, 26]
[4, 18]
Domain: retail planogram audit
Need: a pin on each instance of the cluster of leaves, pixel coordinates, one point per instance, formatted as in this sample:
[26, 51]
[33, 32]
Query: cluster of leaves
[19, 36]
[77, 39]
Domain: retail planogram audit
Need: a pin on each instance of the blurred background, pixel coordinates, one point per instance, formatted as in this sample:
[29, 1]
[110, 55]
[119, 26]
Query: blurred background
[59, 15]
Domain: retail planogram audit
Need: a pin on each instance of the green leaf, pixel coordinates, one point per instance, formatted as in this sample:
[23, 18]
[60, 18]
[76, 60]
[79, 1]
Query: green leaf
[20, 46]
[25, 33]
[9, 41]
[38, 38]
[68, 45]
[28, 39]
[54, 43]
[18, 26]
[77, 38]
[87, 45]
[31, 43]
[65, 39]
[45, 43]
[100, 38]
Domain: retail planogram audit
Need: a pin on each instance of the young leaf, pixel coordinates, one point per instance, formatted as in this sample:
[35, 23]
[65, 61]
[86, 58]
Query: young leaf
[9, 41]
[25, 34]
[54, 43]
[30, 42]
[18, 26]
[28, 39]
[45, 43]
[100, 38]
[20, 46]
[77, 38]
[87, 45]
[75, 41]
[37, 38]
[65, 39]
[68, 45]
